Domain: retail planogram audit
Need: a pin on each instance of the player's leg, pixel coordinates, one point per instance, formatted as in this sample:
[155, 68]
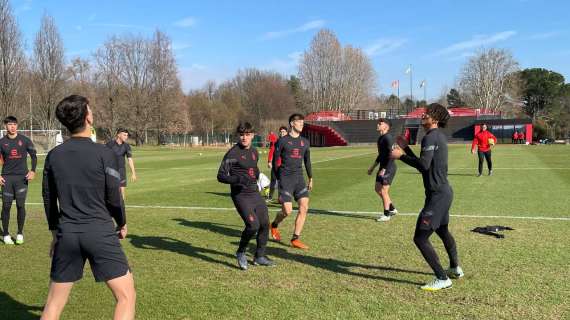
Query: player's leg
[123, 289]
[489, 162]
[57, 299]
[246, 210]
[302, 196]
[7, 199]
[262, 215]
[286, 189]
[21, 193]
[480, 155]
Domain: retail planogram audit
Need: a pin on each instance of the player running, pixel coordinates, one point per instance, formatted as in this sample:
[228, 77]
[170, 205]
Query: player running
[387, 170]
[239, 170]
[432, 164]
[293, 150]
[14, 150]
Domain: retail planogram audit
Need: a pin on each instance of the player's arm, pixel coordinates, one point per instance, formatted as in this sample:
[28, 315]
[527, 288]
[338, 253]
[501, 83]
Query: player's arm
[308, 167]
[270, 155]
[49, 195]
[426, 155]
[474, 144]
[277, 154]
[131, 162]
[225, 174]
[34, 157]
[113, 199]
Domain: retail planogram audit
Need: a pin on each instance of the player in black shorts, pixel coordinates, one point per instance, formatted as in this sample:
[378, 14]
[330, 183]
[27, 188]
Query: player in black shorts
[14, 150]
[82, 198]
[293, 150]
[122, 149]
[387, 170]
[432, 164]
[239, 170]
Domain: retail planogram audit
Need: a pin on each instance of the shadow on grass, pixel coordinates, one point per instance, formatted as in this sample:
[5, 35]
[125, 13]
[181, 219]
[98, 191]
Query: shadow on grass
[180, 247]
[12, 309]
[223, 229]
[342, 214]
[343, 267]
[462, 174]
[221, 194]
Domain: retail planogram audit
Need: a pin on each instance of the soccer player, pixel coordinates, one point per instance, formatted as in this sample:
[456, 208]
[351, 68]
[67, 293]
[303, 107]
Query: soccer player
[239, 170]
[81, 198]
[482, 143]
[293, 150]
[273, 184]
[432, 164]
[14, 150]
[387, 170]
[122, 149]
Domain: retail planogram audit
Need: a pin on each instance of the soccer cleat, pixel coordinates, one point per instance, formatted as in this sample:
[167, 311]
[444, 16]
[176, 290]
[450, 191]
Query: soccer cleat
[455, 273]
[393, 212]
[263, 261]
[275, 234]
[242, 260]
[478, 175]
[437, 284]
[491, 172]
[299, 245]
[8, 240]
[19, 239]
[383, 218]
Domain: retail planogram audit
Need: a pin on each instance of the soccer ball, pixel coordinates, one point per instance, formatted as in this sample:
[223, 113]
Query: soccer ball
[491, 141]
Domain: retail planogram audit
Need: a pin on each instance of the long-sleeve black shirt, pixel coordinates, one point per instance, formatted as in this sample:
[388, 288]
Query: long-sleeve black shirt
[384, 145]
[432, 163]
[239, 169]
[83, 177]
[293, 152]
[121, 151]
[14, 153]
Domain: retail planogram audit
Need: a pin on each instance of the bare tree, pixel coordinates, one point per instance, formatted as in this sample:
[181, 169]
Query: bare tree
[488, 79]
[335, 78]
[48, 72]
[12, 60]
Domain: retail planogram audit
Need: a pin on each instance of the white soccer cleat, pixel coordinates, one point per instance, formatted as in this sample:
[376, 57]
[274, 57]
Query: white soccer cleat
[455, 273]
[383, 218]
[19, 239]
[393, 212]
[437, 284]
[8, 240]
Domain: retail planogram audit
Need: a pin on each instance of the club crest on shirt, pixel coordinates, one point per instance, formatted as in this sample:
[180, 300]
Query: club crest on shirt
[20, 143]
[253, 156]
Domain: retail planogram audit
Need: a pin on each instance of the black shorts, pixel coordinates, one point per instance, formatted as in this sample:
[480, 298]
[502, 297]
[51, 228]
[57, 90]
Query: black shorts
[15, 187]
[292, 187]
[251, 208]
[436, 209]
[387, 178]
[123, 174]
[102, 249]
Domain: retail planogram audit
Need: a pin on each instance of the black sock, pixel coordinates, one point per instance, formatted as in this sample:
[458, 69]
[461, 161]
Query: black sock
[392, 208]
[274, 224]
[386, 212]
[295, 237]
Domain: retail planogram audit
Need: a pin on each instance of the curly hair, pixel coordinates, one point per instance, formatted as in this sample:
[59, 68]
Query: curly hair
[439, 113]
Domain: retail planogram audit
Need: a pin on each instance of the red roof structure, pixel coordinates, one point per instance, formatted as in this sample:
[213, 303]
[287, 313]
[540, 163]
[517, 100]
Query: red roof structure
[327, 116]
[454, 112]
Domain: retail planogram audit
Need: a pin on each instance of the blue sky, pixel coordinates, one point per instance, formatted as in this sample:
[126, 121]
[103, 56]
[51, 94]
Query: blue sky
[213, 39]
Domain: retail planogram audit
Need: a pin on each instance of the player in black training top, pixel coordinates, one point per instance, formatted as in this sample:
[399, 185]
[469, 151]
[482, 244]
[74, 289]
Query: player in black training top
[432, 164]
[293, 150]
[14, 150]
[387, 170]
[122, 149]
[239, 170]
[81, 199]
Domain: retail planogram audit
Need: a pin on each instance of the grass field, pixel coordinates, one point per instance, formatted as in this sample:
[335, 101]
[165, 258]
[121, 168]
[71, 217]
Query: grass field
[184, 232]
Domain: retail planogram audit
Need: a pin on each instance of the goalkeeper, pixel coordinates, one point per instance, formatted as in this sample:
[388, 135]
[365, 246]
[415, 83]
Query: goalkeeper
[483, 142]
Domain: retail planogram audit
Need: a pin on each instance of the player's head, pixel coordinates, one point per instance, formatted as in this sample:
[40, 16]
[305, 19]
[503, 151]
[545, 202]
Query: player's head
[245, 133]
[296, 122]
[282, 131]
[74, 113]
[436, 115]
[383, 126]
[11, 124]
[483, 126]
[122, 134]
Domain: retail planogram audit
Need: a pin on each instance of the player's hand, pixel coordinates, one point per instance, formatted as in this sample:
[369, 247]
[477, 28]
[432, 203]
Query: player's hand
[122, 232]
[381, 172]
[396, 153]
[133, 177]
[472, 151]
[370, 170]
[53, 243]
[310, 185]
[2, 181]
[31, 175]
[402, 142]
[269, 165]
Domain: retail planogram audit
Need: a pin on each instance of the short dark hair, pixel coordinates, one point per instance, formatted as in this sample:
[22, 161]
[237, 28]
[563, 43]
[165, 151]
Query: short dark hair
[483, 124]
[71, 112]
[439, 113]
[296, 116]
[10, 119]
[283, 128]
[121, 130]
[244, 127]
[386, 121]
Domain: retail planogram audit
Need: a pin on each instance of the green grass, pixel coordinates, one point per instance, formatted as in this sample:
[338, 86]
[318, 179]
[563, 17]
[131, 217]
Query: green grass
[356, 268]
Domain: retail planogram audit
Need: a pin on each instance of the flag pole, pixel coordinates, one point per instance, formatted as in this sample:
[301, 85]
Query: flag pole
[411, 84]
[425, 85]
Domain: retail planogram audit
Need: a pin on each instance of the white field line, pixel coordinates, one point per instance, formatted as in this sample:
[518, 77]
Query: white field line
[371, 213]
